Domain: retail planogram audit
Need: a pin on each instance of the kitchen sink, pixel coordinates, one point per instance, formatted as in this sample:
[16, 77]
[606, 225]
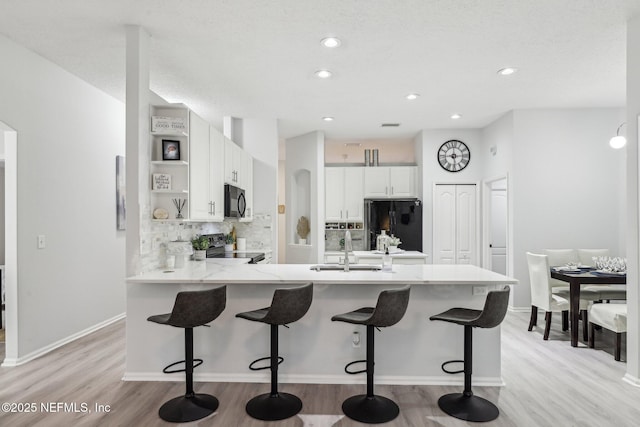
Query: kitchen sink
[352, 267]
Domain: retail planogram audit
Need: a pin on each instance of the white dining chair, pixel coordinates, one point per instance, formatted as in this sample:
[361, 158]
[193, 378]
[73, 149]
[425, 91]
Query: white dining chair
[607, 292]
[560, 257]
[612, 317]
[543, 297]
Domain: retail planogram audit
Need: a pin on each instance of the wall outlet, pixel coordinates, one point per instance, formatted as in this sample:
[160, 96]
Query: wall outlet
[355, 339]
[42, 242]
[480, 290]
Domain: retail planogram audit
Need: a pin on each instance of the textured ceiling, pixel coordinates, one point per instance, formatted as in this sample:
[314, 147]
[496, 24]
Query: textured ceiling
[256, 58]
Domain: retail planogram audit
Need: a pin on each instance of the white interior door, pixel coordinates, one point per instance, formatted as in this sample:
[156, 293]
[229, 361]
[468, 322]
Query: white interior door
[444, 224]
[498, 230]
[466, 239]
[455, 224]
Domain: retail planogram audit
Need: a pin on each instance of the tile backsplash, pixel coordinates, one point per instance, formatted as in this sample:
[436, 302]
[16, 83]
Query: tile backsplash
[332, 240]
[155, 235]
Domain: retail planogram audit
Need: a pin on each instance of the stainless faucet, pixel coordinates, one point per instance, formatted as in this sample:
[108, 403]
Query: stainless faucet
[347, 248]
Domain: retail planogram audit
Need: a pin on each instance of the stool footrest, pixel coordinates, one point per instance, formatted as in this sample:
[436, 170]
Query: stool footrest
[452, 361]
[280, 360]
[166, 370]
[346, 368]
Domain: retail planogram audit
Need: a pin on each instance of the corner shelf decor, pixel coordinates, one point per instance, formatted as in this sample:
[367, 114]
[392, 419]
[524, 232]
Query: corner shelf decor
[169, 165]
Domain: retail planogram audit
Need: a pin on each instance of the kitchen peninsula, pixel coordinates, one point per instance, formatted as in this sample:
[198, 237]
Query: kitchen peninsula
[315, 349]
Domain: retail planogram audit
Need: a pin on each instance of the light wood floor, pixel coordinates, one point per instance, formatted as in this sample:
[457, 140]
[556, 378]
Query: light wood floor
[547, 384]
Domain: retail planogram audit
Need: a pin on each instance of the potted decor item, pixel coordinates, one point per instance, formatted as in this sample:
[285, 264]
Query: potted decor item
[303, 230]
[200, 245]
[229, 242]
[394, 242]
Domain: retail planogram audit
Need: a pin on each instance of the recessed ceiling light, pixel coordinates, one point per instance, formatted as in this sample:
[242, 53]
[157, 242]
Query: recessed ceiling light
[413, 96]
[327, 119]
[455, 116]
[330, 42]
[323, 74]
[507, 71]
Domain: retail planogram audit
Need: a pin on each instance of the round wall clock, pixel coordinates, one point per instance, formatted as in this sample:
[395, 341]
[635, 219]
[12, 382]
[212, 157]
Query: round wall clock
[454, 155]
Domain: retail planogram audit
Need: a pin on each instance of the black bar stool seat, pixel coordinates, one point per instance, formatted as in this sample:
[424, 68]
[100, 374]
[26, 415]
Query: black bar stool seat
[465, 405]
[191, 309]
[389, 310]
[288, 306]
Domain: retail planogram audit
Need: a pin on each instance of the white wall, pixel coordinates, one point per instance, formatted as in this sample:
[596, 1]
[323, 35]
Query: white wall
[433, 173]
[565, 184]
[69, 134]
[2, 248]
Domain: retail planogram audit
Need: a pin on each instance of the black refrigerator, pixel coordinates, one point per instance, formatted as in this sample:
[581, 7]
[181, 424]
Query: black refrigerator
[400, 217]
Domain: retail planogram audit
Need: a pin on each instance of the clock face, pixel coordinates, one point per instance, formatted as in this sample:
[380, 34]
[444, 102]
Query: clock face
[454, 155]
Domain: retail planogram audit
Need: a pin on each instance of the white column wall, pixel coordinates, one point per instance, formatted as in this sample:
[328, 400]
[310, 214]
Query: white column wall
[633, 262]
[69, 134]
[306, 152]
[260, 140]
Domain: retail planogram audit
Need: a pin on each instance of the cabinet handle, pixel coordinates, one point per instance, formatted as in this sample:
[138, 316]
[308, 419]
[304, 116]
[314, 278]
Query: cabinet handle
[213, 204]
[347, 217]
[392, 189]
[340, 213]
[249, 211]
[386, 190]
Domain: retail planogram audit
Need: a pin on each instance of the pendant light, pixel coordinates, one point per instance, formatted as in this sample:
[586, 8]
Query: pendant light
[618, 141]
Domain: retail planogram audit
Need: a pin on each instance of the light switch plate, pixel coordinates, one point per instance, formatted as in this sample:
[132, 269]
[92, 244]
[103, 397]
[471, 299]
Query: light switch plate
[41, 241]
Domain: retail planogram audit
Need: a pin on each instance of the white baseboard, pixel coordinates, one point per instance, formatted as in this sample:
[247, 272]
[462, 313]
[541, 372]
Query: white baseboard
[634, 381]
[44, 350]
[315, 379]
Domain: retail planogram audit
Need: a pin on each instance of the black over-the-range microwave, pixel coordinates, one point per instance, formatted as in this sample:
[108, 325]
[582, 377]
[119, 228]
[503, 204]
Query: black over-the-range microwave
[235, 203]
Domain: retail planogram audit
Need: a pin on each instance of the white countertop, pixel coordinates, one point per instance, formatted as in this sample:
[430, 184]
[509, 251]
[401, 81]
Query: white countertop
[423, 274]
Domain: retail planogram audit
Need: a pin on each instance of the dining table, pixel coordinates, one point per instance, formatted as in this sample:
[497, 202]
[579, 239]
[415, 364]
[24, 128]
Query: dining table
[579, 277]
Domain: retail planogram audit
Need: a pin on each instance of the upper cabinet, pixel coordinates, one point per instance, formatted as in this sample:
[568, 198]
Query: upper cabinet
[169, 168]
[234, 163]
[344, 200]
[390, 182]
[206, 172]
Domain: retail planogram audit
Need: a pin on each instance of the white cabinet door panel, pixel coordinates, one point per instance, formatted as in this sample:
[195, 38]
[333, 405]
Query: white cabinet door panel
[402, 181]
[376, 182]
[334, 194]
[353, 193]
[199, 168]
[454, 228]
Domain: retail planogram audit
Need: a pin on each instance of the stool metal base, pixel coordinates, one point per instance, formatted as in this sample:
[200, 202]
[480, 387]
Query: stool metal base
[370, 410]
[269, 407]
[468, 407]
[184, 409]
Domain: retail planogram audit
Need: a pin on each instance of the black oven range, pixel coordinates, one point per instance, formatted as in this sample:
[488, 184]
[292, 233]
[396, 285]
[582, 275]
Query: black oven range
[216, 250]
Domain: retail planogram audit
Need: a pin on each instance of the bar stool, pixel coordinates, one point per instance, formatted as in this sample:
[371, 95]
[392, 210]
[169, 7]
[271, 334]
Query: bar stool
[288, 305]
[390, 308]
[191, 309]
[465, 405]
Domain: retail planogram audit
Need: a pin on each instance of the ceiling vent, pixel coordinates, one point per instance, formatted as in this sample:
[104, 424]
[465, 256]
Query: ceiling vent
[390, 125]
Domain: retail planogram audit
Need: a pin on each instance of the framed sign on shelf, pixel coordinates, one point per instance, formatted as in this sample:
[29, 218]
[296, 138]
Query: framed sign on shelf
[170, 149]
[161, 181]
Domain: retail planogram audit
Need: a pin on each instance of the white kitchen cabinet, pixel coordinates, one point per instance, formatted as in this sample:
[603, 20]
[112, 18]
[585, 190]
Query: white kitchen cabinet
[206, 172]
[234, 160]
[247, 172]
[169, 127]
[455, 224]
[390, 182]
[344, 199]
